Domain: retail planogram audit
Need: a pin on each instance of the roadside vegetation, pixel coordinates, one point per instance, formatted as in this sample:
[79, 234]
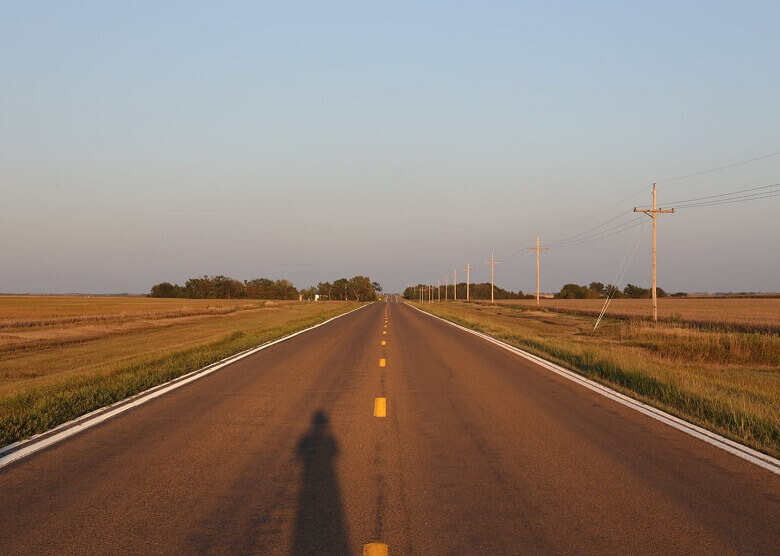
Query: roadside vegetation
[724, 380]
[732, 314]
[62, 357]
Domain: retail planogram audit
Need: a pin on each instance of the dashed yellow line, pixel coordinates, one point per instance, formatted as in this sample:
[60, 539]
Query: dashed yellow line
[380, 407]
[382, 362]
[384, 331]
[375, 549]
[384, 342]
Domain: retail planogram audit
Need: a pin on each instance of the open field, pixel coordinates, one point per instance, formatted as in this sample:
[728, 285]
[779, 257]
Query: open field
[61, 357]
[728, 382]
[746, 314]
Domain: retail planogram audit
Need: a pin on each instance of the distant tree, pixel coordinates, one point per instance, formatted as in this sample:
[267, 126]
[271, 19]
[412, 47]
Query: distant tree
[308, 293]
[636, 292]
[377, 287]
[612, 291]
[324, 288]
[360, 288]
[339, 289]
[572, 291]
[283, 289]
[260, 288]
[597, 287]
[166, 289]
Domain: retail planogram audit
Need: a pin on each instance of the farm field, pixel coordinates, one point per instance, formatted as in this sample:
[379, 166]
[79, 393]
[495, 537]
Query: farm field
[760, 314]
[726, 381]
[106, 348]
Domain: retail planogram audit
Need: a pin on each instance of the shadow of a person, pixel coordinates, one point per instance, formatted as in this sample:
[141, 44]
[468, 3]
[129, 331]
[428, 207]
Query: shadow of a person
[320, 526]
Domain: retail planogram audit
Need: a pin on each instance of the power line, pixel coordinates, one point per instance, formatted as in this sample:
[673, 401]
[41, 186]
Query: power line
[567, 243]
[753, 197]
[590, 229]
[726, 194]
[599, 238]
[716, 169]
[644, 188]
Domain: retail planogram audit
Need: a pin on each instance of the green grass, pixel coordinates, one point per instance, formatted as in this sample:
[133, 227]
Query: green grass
[727, 383]
[38, 409]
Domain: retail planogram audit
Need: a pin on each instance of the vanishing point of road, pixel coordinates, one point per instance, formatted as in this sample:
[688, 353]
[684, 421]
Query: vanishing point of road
[386, 429]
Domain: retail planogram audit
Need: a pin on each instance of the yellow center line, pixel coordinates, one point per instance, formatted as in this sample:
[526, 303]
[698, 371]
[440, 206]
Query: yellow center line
[380, 407]
[384, 331]
[382, 362]
[384, 342]
[375, 549]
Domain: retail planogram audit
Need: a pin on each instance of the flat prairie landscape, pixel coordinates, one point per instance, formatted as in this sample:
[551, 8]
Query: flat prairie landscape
[758, 314]
[61, 356]
[724, 375]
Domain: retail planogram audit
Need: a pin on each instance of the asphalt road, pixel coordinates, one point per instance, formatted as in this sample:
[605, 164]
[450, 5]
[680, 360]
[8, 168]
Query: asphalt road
[480, 452]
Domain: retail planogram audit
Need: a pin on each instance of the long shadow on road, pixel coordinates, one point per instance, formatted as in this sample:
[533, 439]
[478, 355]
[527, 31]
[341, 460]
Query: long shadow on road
[320, 527]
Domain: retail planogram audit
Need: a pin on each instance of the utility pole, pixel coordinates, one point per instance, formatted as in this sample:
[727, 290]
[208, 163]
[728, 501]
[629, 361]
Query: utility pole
[468, 274]
[538, 250]
[455, 284]
[492, 262]
[446, 285]
[439, 290]
[653, 213]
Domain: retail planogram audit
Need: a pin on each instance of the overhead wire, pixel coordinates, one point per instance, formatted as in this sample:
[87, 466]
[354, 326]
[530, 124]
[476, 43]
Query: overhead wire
[601, 237]
[725, 194]
[587, 237]
[717, 169]
[742, 199]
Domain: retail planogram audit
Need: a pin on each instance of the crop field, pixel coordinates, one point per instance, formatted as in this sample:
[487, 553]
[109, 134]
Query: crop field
[746, 314]
[725, 380]
[61, 356]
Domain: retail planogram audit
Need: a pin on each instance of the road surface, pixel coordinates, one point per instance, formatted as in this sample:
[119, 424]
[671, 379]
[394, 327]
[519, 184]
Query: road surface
[480, 451]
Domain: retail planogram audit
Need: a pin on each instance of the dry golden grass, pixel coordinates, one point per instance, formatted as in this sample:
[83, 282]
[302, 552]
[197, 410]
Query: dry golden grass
[739, 313]
[726, 381]
[19, 311]
[54, 337]
[61, 357]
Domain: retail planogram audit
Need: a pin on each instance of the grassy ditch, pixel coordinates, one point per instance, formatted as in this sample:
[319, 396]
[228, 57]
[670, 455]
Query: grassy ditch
[36, 406]
[726, 382]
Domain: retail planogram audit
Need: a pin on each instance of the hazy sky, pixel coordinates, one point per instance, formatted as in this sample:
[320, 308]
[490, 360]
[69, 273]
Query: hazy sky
[150, 141]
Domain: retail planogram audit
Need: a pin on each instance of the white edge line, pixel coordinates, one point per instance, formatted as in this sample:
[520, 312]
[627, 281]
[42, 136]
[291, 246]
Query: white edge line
[18, 450]
[753, 456]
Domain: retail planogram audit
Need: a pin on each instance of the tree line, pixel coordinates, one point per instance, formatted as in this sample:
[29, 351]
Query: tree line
[480, 290]
[596, 290]
[357, 288]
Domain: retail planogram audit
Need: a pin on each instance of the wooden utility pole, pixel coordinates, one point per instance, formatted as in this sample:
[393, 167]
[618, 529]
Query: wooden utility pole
[468, 274]
[455, 284]
[538, 250]
[446, 285]
[492, 262]
[653, 213]
[439, 289]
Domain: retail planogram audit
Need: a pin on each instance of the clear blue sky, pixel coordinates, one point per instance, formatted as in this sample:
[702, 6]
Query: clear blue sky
[150, 141]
